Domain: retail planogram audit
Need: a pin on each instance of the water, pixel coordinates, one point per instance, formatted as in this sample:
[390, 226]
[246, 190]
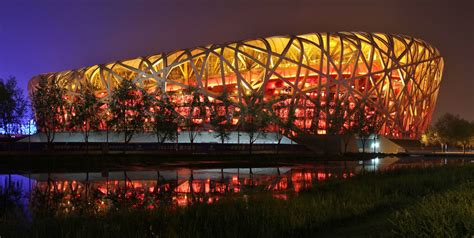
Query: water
[148, 186]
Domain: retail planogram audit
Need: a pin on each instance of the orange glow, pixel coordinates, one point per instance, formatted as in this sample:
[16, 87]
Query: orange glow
[383, 86]
[183, 187]
[148, 194]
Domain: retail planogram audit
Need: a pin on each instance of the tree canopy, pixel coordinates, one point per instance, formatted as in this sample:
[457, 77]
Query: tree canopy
[129, 106]
[451, 129]
[49, 107]
[12, 106]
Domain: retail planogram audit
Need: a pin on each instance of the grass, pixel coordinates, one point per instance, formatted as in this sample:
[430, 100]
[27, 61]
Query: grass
[449, 214]
[430, 202]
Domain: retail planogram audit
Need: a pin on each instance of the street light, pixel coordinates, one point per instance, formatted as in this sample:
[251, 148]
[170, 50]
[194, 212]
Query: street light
[375, 145]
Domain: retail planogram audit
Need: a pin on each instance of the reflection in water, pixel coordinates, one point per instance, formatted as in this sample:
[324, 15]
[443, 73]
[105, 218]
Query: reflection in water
[151, 189]
[55, 193]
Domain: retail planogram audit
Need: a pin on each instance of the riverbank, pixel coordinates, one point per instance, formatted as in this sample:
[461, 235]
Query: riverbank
[423, 202]
[83, 162]
[53, 162]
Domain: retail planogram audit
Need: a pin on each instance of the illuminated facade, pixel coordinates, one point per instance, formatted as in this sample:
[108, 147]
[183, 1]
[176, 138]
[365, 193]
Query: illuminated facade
[392, 78]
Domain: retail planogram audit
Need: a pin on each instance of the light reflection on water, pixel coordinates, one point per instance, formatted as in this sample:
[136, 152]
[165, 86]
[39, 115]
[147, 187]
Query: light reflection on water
[152, 188]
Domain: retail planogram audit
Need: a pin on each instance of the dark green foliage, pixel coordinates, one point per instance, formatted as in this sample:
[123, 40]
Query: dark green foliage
[86, 111]
[164, 119]
[222, 113]
[196, 116]
[283, 117]
[366, 124]
[254, 118]
[12, 106]
[451, 129]
[430, 137]
[50, 107]
[129, 106]
[445, 126]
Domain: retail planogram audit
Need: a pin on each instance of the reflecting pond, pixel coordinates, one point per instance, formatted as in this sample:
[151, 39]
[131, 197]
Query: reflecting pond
[149, 187]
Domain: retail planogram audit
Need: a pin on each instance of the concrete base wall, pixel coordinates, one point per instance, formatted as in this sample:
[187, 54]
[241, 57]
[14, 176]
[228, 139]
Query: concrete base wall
[333, 144]
[380, 145]
[183, 137]
[321, 144]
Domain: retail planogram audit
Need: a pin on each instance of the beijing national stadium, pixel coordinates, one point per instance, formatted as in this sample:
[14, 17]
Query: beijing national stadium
[393, 78]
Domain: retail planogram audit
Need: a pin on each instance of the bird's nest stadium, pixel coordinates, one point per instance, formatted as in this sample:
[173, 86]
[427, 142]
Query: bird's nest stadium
[393, 78]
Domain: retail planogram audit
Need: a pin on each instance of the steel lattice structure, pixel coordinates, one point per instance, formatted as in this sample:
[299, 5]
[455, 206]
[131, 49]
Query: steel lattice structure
[395, 77]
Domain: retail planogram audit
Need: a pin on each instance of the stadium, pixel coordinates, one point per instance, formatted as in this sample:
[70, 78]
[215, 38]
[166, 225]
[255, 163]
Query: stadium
[390, 79]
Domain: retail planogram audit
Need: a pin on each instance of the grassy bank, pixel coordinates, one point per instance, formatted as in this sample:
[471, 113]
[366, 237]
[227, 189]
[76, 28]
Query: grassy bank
[429, 202]
[448, 214]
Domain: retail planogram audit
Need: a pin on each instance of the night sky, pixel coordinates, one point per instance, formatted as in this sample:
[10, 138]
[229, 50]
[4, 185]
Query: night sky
[55, 35]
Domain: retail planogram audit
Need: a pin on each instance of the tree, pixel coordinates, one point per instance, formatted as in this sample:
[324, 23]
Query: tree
[254, 118]
[430, 137]
[445, 128]
[453, 130]
[164, 119]
[30, 118]
[350, 123]
[367, 125]
[335, 118]
[12, 106]
[283, 117]
[196, 113]
[450, 129]
[106, 120]
[340, 122]
[472, 135]
[85, 112]
[464, 132]
[222, 114]
[49, 106]
[128, 107]
[347, 135]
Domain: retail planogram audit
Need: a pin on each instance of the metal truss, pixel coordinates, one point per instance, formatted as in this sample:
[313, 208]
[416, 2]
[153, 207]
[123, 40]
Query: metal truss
[395, 77]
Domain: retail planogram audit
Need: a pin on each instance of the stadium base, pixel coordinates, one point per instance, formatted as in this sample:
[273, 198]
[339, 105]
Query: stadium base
[183, 137]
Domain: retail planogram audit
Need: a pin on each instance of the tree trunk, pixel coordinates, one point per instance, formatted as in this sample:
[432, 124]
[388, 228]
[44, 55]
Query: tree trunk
[124, 141]
[107, 140]
[157, 141]
[250, 147]
[86, 139]
[238, 136]
[29, 140]
[191, 139]
[278, 147]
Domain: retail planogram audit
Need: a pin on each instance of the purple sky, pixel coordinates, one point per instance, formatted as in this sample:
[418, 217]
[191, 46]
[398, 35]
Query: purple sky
[54, 35]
